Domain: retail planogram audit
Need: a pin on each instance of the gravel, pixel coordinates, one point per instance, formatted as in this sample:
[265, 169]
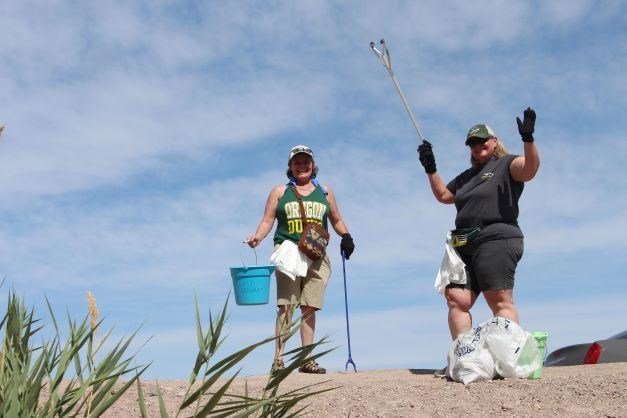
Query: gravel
[591, 390]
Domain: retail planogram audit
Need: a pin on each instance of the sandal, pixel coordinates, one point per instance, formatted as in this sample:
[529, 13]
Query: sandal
[277, 365]
[312, 368]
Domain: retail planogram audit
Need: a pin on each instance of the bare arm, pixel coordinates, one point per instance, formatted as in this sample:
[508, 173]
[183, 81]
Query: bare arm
[427, 159]
[525, 168]
[267, 220]
[441, 193]
[334, 214]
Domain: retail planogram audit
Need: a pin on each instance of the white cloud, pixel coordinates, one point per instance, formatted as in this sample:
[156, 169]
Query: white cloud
[113, 105]
[146, 240]
[567, 12]
[383, 197]
[135, 84]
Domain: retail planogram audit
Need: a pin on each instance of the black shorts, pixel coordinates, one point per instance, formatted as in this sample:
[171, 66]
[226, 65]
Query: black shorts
[490, 265]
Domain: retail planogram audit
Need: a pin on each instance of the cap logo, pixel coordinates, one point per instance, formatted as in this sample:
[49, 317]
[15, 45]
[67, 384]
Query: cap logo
[298, 149]
[475, 129]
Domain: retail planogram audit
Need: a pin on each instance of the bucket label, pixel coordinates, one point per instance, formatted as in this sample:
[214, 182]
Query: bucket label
[249, 286]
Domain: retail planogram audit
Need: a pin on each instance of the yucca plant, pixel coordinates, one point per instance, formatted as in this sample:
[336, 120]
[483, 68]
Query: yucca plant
[207, 395]
[55, 378]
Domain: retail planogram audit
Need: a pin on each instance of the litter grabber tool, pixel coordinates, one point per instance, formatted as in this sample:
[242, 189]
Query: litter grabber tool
[348, 329]
[384, 57]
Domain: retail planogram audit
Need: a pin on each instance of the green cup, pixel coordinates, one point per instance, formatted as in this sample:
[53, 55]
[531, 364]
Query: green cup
[541, 337]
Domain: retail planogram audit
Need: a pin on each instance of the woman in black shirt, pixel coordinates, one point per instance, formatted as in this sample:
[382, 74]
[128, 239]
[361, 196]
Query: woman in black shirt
[487, 236]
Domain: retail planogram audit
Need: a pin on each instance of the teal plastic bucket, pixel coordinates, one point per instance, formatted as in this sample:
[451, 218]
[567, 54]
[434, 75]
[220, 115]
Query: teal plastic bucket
[251, 284]
[541, 338]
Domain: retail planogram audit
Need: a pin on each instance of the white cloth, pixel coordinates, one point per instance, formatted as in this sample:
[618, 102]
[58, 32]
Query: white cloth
[290, 261]
[452, 269]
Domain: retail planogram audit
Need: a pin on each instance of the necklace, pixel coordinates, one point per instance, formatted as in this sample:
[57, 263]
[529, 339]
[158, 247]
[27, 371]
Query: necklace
[304, 188]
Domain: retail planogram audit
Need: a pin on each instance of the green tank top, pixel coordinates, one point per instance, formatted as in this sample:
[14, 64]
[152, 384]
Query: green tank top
[289, 222]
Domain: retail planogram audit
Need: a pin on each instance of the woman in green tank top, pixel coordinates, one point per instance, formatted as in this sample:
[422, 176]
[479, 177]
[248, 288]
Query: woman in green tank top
[320, 207]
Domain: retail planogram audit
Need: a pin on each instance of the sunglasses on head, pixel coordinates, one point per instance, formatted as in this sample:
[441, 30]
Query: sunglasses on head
[472, 142]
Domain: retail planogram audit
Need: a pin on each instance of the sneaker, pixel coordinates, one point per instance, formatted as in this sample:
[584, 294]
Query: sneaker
[440, 373]
[312, 367]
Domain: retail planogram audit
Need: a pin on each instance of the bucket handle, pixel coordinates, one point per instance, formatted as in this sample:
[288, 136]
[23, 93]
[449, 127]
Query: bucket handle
[242, 259]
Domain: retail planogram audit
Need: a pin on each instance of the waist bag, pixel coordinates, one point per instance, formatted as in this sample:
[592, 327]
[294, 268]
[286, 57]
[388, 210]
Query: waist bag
[463, 236]
[314, 239]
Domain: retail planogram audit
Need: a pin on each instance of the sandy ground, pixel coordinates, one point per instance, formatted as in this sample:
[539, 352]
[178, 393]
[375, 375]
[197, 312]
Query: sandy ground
[599, 390]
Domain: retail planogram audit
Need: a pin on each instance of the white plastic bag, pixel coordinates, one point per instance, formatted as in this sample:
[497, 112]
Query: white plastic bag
[514, 350]
[452, 268]
[290, 261]
[468, 358]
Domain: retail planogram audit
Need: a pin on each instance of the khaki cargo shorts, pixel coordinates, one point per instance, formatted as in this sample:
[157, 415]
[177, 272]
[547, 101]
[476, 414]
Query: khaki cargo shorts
[309, 290]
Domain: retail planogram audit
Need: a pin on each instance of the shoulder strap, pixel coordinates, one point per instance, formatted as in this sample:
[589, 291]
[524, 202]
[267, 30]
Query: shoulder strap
[317, 183]
[302, 207]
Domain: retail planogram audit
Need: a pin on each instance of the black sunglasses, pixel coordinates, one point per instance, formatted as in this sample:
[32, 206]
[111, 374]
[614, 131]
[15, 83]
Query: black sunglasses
[474, 141]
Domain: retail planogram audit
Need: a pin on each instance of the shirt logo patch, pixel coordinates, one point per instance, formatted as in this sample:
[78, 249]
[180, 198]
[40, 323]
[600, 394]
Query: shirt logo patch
[486, 176]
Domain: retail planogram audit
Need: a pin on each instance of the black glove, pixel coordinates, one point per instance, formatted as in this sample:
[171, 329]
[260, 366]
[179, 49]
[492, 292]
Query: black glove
[347, 246]
[525, 128]
[426, 157]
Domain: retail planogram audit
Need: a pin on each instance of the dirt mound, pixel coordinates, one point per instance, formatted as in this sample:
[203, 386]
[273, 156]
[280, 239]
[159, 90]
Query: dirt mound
[599, 390]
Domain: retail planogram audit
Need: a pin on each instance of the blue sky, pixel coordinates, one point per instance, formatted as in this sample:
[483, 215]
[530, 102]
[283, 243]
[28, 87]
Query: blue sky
[142, 139]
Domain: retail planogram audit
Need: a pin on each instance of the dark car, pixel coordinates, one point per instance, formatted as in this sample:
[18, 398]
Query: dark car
[611, 350]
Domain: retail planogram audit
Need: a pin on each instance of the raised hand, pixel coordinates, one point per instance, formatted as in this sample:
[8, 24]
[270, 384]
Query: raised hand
[426, 157]
[526, 127]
